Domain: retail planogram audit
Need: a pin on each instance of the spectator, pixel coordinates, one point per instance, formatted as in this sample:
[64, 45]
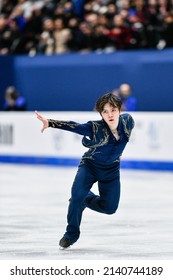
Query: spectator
[86, 37]
[100, 40]
[111, 11]
[12, 36]
[7, 6]
[4, 35]
[46, 39]
[129, 103]
[13, 100]
[75, 38]
[61, 36]
[166, 39]
[102, 26]
[120, 34]
[154, 23]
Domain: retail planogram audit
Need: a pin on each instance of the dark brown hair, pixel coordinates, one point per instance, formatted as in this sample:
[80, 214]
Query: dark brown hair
[110, 98]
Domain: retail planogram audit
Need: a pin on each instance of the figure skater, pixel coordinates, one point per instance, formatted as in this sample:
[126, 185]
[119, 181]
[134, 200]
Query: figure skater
[105, 140]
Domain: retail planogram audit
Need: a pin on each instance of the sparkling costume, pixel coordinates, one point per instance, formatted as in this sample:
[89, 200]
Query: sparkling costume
[100, 164]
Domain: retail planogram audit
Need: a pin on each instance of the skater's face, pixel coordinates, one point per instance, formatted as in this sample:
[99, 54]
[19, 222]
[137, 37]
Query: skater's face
[110, 115]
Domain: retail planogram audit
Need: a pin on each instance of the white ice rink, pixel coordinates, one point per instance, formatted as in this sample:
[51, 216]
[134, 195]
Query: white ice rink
[33, 206]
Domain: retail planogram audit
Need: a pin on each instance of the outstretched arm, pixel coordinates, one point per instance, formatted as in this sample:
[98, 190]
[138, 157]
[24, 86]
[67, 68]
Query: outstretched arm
[82, 129]
[43, 120]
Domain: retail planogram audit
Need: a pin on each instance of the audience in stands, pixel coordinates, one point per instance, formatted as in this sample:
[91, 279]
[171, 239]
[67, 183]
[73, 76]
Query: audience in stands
[59, 26]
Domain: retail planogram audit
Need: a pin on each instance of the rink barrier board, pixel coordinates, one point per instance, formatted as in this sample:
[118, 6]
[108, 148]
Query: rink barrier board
[150, 145]
[73, 162]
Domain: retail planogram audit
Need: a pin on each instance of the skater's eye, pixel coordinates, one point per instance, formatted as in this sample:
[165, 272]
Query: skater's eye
[114, 109]
[105, 112]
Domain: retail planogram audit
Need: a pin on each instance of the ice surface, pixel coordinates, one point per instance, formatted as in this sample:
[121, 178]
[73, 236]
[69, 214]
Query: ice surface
[33, 208]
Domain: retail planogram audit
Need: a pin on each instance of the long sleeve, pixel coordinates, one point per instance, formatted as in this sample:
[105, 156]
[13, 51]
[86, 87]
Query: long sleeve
[128, 124]
[82, 129]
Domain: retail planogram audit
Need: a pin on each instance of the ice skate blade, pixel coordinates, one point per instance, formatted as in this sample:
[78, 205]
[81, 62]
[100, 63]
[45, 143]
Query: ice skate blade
[64, 248]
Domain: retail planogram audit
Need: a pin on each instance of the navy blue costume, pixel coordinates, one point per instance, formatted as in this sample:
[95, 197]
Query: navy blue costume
[101, 163]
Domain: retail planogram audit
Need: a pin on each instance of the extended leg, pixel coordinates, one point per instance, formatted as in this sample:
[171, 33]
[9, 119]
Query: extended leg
[81, 186]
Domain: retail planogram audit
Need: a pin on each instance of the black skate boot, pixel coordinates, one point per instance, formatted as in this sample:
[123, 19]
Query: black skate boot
[65, 243]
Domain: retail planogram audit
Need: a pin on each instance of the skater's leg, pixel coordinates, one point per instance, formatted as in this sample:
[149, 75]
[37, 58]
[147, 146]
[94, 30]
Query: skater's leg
[81, 186]
[108, 199]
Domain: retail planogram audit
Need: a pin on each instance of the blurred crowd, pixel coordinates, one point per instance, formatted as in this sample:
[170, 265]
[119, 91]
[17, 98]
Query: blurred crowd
[59, 26]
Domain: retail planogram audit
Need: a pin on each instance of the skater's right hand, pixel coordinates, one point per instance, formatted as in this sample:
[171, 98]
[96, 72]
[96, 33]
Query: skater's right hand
[43, 120]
